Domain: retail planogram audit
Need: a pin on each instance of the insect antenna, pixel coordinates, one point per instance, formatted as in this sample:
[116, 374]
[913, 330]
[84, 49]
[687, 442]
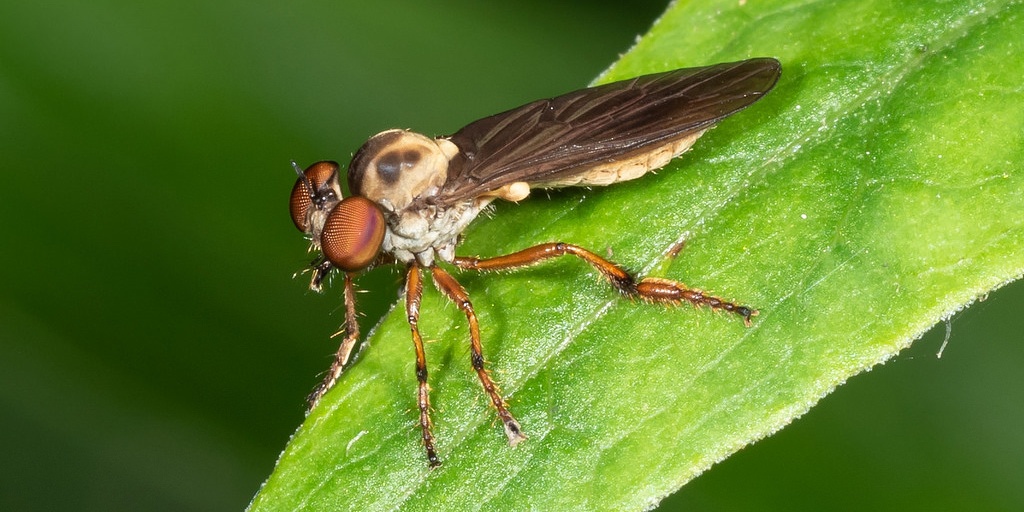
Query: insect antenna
[305, 180]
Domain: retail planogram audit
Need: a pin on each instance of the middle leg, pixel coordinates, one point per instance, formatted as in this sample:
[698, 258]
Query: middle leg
[457, 294]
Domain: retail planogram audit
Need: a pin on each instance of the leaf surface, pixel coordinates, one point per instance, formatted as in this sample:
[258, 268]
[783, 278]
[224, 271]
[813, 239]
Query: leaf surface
[875, 191]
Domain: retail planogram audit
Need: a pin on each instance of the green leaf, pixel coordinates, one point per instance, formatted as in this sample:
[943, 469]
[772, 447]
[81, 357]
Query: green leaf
[875, 191]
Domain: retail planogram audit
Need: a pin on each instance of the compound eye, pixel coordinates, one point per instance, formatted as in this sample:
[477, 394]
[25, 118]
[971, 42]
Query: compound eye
[302, 197]
[353, 234]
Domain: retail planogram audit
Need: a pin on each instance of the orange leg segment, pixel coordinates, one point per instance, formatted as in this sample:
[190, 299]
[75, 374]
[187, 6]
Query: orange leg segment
[457, 294]
[413, 295]
[651, 289]
[351, 330]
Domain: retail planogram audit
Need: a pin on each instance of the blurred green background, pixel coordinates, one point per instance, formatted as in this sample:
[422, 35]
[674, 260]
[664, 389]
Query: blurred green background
[155, 350]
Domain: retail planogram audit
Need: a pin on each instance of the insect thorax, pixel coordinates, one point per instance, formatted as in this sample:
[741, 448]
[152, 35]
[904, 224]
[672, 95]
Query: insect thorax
[427, 232]
[403, 172]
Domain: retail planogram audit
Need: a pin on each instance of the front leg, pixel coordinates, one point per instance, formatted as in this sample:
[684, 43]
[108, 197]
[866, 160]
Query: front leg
[413, 294]
[351, 331]
[651, 289]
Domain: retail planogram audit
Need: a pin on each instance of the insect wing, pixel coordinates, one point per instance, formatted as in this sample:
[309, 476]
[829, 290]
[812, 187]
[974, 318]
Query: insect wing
[547, 142]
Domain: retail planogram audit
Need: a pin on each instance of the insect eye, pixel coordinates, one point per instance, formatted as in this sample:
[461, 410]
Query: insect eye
[302, 197]
[353, 234]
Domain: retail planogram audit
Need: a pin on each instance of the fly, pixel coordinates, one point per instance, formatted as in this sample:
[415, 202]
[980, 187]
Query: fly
[412, 195]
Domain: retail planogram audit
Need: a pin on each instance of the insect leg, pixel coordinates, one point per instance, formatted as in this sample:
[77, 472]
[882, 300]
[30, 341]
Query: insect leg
[651, 289]
[351, 330]
[413, 294]
[457, 294]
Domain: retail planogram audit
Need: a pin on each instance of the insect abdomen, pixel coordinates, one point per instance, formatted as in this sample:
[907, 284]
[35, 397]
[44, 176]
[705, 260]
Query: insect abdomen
[629, 166]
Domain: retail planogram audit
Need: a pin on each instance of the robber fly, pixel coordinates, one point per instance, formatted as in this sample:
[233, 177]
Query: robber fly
[412, 195]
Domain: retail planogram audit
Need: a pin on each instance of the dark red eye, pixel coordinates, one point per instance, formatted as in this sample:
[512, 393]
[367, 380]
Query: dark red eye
[316, 174]
[353, 234]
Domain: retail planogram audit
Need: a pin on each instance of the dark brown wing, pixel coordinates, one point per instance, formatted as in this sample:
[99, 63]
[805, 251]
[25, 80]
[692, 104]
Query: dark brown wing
[547, 141]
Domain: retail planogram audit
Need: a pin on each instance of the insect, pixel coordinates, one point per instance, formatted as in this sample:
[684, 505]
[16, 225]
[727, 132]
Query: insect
[412, 196]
